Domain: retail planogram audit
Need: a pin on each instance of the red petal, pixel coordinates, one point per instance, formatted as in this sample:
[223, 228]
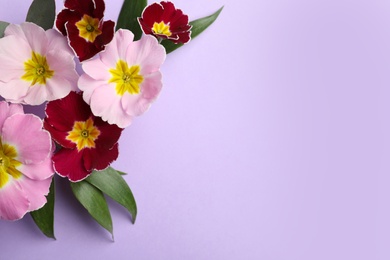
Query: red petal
[99, 9]
[83, 49]
[145, 27]
[152, 14]
[81, 6]
[63, 17]
[109, 134]
[62, 113]
[100, 158]
[59, 136]
[107, 33]
[69, 163]
[169, 11]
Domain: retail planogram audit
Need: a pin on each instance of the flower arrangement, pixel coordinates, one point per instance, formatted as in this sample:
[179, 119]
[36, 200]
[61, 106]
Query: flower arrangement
[86, 110]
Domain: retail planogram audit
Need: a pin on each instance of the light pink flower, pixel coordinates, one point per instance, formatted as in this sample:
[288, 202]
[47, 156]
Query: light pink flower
[25, 162]
[35, 65]
[123, 80]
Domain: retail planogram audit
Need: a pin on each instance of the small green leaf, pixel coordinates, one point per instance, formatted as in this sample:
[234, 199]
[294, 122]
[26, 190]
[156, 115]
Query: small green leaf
[93, 200]
[112, 183]
[131, 10]
[121, 173]
[198, 26]
[42, 13]
[3, 26]
[44, 217]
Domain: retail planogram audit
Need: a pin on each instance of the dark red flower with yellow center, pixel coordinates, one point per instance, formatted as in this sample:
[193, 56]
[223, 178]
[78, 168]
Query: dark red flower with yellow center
[164, 21]
[82, 21]
[88, 143]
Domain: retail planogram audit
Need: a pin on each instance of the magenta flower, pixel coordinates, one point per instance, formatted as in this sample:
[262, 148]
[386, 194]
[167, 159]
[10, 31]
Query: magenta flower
[82, 21]
[125, 79]
[88, 143]
[164, 21]
[25, 162]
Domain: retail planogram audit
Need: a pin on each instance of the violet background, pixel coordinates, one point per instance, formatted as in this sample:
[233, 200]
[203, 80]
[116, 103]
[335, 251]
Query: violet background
[270, 140]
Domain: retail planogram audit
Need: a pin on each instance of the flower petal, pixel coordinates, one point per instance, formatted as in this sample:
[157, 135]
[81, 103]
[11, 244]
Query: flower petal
[105, 158]
[69, 163]
[13, 201]
[32, 144]
[35, 191]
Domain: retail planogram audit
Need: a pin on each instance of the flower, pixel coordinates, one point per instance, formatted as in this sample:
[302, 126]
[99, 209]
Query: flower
[35, 65]
[124, 80]
[82, 21]
[25, 162]
[164, 21]
[88, 143]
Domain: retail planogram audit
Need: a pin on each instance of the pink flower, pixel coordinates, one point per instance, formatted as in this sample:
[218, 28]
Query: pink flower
[164, 21]
[35, 65]
[25, 162]
[125, 79]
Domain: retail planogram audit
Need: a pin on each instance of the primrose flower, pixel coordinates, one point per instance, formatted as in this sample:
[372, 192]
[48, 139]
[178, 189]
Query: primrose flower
[82, 21]
[164, 21]
[35, 65]
[125, 79]
[88, 143]
[25, 162]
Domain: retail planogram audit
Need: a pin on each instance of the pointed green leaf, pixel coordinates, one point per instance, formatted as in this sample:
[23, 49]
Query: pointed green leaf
[42, 13]
[198, 26]
[112, 183]
[44, 217]
[131, 10]
[121, 173]
[93, 200]
[3, 25]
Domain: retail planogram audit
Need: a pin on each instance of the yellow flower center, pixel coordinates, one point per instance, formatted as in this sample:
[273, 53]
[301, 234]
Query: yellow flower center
[37, 70]
[161, 28]
[88, 28]
[83, 134]
[127, 78]
[8, 164]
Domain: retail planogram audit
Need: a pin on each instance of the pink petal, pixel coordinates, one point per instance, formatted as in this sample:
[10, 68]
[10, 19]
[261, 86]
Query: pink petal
[148, 53]
[96, 69]
[39, 171]
[13, 201]
[36, 95]
[36, 37]
[63, 65]
[57, 41]
[14, 48]
[35, 191]
[7, 110]
[107, 104]
[32, 143]
[15, 89]
[116, 49]
[88, 86]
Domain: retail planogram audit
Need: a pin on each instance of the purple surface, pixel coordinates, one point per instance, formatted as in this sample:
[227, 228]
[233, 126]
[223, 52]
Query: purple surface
[269, 141]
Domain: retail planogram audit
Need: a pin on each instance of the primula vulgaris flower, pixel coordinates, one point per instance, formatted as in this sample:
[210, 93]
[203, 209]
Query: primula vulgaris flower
[88, 143]
[124, 79]
[83, 23]
[35, 65]
[25, 162]
[163, 20]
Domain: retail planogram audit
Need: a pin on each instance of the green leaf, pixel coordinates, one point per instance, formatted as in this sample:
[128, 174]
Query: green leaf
[112, 183]
[42, 13]
[121, 173]
[131, 10]
[3, 26]
[198, 26]
[44, 217]
[93, 200]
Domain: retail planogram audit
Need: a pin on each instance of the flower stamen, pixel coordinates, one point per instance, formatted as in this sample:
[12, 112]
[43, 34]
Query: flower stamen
[83, 134]
[37, 70]
[88, 28]
[127, 78]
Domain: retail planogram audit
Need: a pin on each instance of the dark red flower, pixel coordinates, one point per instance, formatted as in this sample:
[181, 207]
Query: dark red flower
[88, 143]
[163, 20]
[82, 21]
